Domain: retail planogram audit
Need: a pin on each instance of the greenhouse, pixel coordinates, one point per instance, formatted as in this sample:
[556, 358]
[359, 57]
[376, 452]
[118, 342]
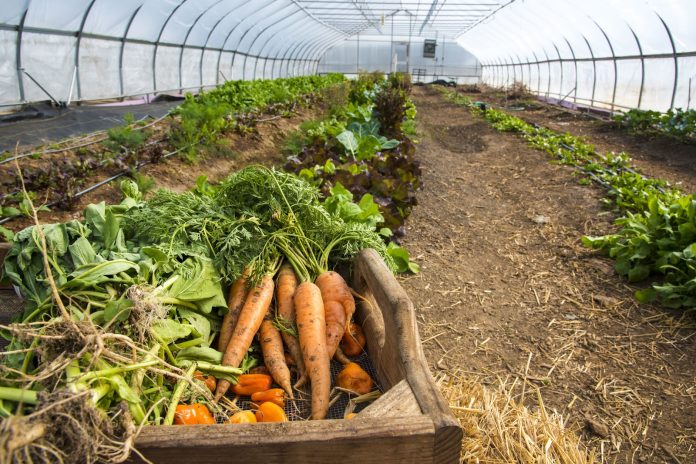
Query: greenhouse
[403, 231]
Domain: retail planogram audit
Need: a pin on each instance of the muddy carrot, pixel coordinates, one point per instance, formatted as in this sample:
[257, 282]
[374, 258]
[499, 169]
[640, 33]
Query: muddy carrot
[235, 302]
[273, 355]
[286, 287]
[311, 325]
[250, 318]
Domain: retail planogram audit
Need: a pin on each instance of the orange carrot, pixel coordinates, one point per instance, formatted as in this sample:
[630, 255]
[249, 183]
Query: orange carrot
[235, 301]
[274, 356]
[335, 317]
[335, 291]
[250, 318]
[311, 325]
[341, 357]
[287, 284]
[354, 378]
[353, 341]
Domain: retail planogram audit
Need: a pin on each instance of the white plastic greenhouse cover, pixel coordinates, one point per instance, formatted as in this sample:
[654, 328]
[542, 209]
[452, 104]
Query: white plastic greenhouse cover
[615, 54]
[603, 53]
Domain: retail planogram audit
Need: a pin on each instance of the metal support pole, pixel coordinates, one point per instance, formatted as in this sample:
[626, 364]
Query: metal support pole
[391, 51]
[594, 71]
[18, 57]
[357, 59]
[183, 47]
[575, 62]
[548, 80]
[122, 86]
[642, 67]
[53, 99]
[77, 47]
[157, 42]
[560, 63]
[616, 68]
[253, 41]
[234, 56]
[302, 18]
[676, 61]
[72, 86]
[538, 86]
[205, 46]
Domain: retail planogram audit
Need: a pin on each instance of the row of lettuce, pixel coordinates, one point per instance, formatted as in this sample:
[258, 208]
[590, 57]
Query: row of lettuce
[656, 234]
[364, 150]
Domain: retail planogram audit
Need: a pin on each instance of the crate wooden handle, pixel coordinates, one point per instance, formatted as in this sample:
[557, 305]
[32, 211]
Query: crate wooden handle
[399, 354]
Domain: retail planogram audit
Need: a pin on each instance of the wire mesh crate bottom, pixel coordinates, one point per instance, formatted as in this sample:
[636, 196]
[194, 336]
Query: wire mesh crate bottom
[300, 409]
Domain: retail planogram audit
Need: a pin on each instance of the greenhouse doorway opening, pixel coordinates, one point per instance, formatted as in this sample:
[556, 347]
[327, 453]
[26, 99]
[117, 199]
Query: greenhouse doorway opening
[400, 57]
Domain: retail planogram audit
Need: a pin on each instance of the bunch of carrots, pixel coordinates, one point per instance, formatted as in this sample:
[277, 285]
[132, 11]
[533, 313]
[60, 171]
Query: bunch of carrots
[314, 305]
[321, 311]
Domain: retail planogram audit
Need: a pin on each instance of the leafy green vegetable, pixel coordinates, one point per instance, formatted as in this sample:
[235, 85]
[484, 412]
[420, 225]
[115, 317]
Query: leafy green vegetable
[169, 330]
[657, 234]
[362, 158]
[677, 123]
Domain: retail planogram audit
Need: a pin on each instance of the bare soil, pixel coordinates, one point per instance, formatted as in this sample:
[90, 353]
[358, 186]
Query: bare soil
[507, 289]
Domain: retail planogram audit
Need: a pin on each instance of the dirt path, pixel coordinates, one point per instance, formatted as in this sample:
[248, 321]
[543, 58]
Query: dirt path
[508, 290]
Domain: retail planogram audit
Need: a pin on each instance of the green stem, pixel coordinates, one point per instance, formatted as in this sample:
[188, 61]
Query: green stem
[165, 285]
[100, 391]
[208, 367]
[19, 395]
[4, 412]
[324, 260]
[178, 391]
[30, 356]
[117, 370]
[168, 300]
[165, 348]
[188, 343]
[139, 376]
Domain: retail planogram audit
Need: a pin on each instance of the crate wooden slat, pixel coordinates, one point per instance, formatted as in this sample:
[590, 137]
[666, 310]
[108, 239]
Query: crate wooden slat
[422, 431]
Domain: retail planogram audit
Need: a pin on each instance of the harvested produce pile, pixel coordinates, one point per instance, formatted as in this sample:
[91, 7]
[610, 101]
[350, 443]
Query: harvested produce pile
[126, 308]
[364, 147]
[657, 224]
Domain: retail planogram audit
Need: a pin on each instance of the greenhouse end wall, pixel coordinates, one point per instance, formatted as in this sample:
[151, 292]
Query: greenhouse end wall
[369, 54]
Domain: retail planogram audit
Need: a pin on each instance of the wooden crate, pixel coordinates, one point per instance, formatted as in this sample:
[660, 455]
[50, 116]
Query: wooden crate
[410, 423]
